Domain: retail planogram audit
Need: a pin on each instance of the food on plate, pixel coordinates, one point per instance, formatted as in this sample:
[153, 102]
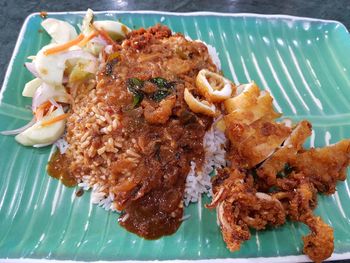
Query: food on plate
[199, 106]
[114, 102]
[115, 29]
[30, 87]
[271, 176]
[60, 31]
[44, 131]
[144, 117]
[214, 87]
[133, 134]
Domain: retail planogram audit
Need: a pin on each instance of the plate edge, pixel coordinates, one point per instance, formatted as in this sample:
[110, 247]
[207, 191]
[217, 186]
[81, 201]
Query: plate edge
[297, 258]
[200, 13]
[283, 259]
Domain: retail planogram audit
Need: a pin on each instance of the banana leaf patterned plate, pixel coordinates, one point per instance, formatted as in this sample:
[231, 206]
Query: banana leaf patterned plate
[305, 64]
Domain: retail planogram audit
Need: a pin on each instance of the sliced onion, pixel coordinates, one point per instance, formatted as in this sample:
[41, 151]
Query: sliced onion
[101, 59]
[62, 144]
[51, 68]
[19, 130]
[31, 67]
[44, 93]
[99, 40]
[109, 49]
[54, 103]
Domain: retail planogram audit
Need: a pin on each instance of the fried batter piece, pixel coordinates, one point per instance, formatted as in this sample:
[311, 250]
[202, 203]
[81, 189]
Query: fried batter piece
[319, 244]
[270, 168]
[252, 144]
[325, 166]
[250, 126]
[240, 206]
[271, 176]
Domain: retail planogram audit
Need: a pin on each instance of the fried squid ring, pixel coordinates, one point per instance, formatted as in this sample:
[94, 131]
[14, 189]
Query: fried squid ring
[214, 87]
[199, 106]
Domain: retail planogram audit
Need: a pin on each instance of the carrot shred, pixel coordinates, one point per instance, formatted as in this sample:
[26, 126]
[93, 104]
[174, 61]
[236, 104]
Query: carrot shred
[87, 39]
[51, 109]
[40, 110]
[106, 37]
[44, 105]
[55, 119]
[64, 46]
[39, 114]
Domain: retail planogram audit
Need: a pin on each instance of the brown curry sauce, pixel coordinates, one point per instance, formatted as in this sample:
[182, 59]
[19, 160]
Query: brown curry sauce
[57, 168]
[155, 117]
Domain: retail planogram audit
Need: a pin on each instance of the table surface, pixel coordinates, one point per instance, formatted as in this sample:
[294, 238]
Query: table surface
[13, 13]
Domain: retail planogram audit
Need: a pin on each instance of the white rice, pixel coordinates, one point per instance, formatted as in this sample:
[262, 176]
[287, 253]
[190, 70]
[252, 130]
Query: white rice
[214, 55]
[62, 145]
[198, 180]
[98, 197]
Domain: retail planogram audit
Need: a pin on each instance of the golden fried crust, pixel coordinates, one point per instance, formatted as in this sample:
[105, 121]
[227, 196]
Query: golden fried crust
[325, 166]
[271, 177]
[240, 207]
[302, 201]
[256, 142]
[319, 244]
[234, 233]
[269, 169]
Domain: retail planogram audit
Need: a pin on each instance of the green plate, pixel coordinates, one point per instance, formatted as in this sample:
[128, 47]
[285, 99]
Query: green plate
[303, 62]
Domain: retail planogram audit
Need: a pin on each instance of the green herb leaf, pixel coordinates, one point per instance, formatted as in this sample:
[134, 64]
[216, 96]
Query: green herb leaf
[280, 174]
[164, 88]
[212, 173]
[287, 168]
[134, 86]
[137, 100]
[159, 95]
[160, 82]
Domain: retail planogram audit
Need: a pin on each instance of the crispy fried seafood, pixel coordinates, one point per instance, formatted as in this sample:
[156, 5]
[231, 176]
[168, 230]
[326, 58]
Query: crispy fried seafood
[271, 177]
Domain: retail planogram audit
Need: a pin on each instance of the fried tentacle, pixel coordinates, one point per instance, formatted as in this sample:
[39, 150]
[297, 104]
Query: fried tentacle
[319, 244]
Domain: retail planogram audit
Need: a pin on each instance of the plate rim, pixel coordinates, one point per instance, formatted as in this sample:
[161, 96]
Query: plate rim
[288, 258]
[279, 259]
